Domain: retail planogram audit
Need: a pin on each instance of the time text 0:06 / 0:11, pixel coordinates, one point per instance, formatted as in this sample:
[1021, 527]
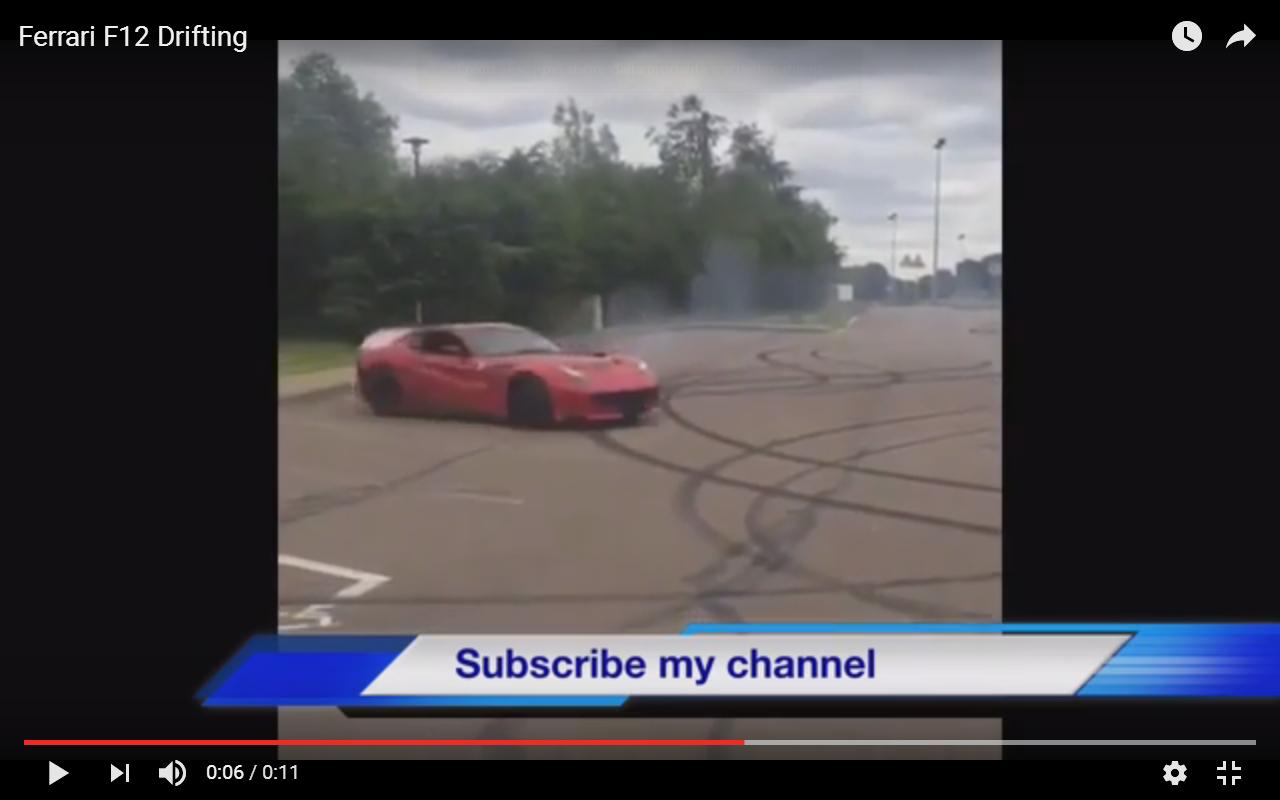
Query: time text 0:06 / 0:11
[240, 772]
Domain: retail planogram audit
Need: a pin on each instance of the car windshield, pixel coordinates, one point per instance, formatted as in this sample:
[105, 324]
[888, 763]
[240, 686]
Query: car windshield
[506, 341]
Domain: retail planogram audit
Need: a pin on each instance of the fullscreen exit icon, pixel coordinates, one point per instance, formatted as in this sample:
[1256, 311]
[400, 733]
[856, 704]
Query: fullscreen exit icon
[1226, 772]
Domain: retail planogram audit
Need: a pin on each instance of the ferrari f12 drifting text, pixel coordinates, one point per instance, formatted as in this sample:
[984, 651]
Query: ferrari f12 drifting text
[499, 371]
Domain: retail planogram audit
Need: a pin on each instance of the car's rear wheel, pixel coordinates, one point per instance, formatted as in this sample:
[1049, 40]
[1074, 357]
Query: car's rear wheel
[381, 391]
[529, 403]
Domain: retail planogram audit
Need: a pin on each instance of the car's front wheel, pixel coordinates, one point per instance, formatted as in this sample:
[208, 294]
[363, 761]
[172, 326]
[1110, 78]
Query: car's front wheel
[529, 403]
[381, 391]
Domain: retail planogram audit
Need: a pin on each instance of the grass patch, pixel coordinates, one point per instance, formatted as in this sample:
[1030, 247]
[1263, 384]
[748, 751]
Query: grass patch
[299, 356]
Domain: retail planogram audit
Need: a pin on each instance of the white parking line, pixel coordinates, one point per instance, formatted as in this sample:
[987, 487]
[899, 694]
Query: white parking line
[364, 582]
[315, 615]
[480, 497]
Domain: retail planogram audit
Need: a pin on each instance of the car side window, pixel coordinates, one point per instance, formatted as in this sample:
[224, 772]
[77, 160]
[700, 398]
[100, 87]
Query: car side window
[442, 344]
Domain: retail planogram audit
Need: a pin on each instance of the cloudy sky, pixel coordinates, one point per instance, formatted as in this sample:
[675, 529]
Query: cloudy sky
[856, 120]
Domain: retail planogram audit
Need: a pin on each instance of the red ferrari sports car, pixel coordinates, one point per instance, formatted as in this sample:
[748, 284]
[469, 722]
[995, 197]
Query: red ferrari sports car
[498, 371]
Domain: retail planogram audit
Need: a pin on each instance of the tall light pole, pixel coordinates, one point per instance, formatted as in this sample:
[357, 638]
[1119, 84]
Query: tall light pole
[416, 142]
[937, 218]
[893, 251]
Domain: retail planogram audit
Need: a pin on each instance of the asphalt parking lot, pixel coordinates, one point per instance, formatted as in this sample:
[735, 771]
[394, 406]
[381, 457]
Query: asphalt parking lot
[849, 475]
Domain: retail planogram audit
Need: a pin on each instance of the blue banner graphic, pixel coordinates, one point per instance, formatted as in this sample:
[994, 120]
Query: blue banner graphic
[1149, 661]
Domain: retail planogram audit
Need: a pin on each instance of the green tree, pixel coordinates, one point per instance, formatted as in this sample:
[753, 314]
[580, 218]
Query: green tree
[328, 132]
[577, 144]
[750, 150]
[687, 143]
[362, 243]
[336, 158]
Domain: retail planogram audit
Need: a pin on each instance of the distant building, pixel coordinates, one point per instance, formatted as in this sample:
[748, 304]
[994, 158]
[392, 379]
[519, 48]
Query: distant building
[995, 268]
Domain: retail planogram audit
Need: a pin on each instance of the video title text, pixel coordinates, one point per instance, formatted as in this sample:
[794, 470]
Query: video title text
[135, 36]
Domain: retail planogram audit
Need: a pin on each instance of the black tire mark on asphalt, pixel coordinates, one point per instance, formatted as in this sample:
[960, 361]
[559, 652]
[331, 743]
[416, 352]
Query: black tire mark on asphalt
[312, 505]
[749, 379]
[809, 377]
[769, 449]
[893, 375]
[729, 376]
[840, 386]
[686, 496]
[773, 545]
[769, 357]
[554, 598]
[772, 549]
[758, 531]
[759, 384]
[686, 503]
[607, 442]
[767, 556]
[819, 354]
[780, 542]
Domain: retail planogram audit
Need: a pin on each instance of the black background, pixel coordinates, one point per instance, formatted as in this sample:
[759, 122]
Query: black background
[1137, 430]
[143, 399]
[1115, 777]
[1137, 444]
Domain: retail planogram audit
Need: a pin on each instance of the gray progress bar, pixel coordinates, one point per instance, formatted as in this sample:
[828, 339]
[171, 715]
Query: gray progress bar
[1001, 742]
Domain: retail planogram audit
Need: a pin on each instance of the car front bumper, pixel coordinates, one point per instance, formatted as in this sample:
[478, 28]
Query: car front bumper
[606, 406]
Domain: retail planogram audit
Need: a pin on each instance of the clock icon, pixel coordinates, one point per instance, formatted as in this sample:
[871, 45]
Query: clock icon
[1187, 36]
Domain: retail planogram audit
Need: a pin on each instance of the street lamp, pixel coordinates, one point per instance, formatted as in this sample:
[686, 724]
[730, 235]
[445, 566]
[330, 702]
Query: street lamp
[416, 142]
[937, 218]
[893, 249]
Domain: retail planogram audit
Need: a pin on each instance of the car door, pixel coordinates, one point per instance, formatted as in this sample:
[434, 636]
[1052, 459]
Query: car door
[466, 384]
[438, 374]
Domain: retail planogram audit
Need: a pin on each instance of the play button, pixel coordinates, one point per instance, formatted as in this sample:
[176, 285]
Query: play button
[116, 772]
[56, 773]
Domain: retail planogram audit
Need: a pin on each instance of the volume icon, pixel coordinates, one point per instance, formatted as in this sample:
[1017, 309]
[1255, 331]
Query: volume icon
[175, 773]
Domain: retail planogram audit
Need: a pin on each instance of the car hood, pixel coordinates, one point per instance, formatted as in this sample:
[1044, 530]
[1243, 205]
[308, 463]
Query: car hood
[601, 372]
[584, 362]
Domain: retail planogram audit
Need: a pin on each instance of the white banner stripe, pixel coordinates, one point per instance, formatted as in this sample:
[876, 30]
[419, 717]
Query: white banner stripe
[985, 664]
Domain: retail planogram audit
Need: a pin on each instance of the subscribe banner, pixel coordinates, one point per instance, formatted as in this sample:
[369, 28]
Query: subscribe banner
[743, 660]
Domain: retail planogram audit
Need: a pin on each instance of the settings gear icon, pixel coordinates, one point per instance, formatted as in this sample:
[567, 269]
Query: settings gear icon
[1175, 773]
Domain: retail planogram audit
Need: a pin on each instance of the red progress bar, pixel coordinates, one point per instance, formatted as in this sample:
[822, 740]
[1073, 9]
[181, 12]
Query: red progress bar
[384, 742]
